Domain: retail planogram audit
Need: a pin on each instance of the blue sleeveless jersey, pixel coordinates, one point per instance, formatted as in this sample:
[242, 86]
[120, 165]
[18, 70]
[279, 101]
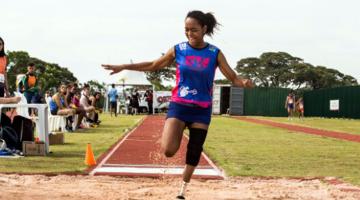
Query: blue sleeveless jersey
[195, 72]
[53, 106]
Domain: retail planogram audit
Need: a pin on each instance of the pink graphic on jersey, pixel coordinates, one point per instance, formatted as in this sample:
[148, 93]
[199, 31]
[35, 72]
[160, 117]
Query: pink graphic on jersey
[197, 61]
[203, 104]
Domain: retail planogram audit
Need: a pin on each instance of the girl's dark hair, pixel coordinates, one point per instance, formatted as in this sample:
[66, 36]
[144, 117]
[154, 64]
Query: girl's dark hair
[2, 52]
[207, 19]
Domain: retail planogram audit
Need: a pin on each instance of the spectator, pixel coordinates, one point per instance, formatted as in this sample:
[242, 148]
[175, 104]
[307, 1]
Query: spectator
[48, 96]
[58, 107]
[4, 91]
[85, 103]
[290, 104]
[135, 102]
[70, 93]
[30, 85]
[128, 105]
[94, 99]
[76, 100]
[113, 95]
[149, 99]
[300, 107]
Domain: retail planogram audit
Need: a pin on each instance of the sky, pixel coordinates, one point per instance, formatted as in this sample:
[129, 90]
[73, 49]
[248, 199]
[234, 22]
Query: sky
[83, 34]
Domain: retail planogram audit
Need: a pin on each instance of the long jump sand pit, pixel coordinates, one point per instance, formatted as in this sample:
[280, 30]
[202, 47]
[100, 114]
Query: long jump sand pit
[15, 187]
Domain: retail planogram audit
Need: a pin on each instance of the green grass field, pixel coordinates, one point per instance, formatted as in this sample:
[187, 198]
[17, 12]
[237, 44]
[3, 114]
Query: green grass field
[246, 149]
[343, 125]
[70, 156]
[240, 148]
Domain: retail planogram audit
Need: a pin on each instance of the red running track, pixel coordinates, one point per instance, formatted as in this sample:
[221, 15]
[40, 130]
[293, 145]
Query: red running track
[138, 154]
[313, 131]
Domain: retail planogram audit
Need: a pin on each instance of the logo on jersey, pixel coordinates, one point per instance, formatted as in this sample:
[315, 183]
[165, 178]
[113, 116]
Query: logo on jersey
[184, 91]
[182, 46]
[197, 61]
[212, 48]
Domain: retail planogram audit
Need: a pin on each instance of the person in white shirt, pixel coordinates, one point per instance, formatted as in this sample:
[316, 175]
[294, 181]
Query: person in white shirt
[85, 103]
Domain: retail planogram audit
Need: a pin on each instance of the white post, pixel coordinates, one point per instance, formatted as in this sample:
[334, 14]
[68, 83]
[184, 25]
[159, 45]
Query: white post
[153, 93]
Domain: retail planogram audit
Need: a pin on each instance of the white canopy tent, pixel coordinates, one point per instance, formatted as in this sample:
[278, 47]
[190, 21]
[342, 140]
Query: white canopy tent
[133, 79]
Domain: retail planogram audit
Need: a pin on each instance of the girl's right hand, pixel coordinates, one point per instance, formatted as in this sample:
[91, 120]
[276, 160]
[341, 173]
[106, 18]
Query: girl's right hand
[114, 68]
[248, 83]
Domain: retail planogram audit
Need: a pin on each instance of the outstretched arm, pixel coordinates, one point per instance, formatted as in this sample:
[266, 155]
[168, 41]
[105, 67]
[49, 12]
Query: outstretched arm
[157, 64]
[230, 74]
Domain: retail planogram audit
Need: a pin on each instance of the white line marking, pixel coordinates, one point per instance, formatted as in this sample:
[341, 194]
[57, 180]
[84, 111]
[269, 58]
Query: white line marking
[144, 170]
[155, 166]
[141, 170]
[112, 151]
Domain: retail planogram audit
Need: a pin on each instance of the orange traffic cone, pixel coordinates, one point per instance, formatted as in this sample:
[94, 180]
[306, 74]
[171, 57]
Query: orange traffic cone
[89, 157]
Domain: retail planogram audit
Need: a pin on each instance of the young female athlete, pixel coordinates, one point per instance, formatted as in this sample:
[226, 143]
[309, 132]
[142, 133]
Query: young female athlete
[196, 61]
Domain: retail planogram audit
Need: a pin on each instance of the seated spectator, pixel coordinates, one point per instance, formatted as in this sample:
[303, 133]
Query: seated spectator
[86, 104]
[57, 105]
[75, 101]
[48, 96]
[70, 93]
[94, 99]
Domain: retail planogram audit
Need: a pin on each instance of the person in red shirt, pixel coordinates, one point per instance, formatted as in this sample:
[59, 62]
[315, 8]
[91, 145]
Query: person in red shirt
[3, 76]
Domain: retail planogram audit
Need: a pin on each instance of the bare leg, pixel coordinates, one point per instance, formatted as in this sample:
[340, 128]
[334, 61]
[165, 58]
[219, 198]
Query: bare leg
[289, 113]
[81, 114]
[171, 136]
[189, 169]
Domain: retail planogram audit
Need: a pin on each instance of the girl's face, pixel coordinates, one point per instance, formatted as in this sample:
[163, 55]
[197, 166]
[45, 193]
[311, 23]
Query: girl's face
[194, 31]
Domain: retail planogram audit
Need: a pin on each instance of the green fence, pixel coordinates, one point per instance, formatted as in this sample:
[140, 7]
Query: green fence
[346, 99]
[265, 101]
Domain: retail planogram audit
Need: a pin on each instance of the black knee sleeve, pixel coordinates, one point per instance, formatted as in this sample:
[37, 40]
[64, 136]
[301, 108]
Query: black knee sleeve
[195, 146]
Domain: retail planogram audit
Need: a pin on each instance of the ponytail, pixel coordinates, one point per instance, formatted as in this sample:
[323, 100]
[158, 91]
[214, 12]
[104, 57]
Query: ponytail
[207, 20]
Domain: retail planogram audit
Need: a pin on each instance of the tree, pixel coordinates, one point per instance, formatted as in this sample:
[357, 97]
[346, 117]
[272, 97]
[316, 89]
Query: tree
[222, 81]
[50, 74]
[280, 69]
[156, 77]
[96, 86]
[271, 69]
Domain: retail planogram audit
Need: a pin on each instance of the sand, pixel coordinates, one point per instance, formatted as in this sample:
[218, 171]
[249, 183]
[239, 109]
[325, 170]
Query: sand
[38, 187]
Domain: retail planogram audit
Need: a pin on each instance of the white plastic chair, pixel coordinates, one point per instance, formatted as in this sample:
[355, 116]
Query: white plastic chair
[23, 111]
[56, 122]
